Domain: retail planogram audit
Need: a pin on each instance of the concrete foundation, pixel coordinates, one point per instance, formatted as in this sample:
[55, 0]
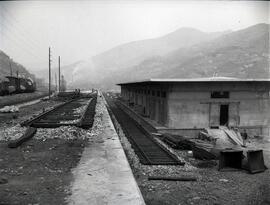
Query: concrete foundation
[103, 175]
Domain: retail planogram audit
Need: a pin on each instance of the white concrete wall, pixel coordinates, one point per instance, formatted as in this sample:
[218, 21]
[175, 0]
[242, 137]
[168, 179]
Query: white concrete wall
[188, 109]
[254, 110]
[189, 105]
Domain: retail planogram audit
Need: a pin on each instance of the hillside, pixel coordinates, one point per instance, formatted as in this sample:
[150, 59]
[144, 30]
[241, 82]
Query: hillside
[131, 54]
[102, 70]
[6, 62]
[185, 53]
[242, 54]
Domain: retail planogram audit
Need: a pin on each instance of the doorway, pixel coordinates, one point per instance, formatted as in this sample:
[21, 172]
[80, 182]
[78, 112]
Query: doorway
[224, 115]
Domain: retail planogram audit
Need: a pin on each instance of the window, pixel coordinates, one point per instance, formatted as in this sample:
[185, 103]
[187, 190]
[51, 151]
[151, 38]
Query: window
[158, 93]
[153, 93]
[220, 94]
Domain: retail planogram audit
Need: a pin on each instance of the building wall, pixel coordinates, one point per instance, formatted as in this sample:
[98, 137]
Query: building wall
[196, 109]
[190, 106]
[186, 111]
[149, 101]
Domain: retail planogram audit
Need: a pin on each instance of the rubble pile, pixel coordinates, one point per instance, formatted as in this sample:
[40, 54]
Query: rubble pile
[98, 126]
[79, 111]
[64, 132]
[11, 132]
[8, 109]
[8, 133]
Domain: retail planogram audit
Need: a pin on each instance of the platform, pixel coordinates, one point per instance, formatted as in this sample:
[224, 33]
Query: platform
[103, 175]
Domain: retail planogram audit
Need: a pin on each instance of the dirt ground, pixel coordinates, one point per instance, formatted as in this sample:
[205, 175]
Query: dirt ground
[20, 98]
[39, 171]
[212, 187]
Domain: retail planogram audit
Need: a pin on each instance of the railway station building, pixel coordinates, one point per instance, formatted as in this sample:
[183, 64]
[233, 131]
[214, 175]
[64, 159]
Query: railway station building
[186, 106]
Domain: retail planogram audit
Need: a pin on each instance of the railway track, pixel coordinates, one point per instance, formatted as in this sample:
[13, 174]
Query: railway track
[147, 149]
[77, 112]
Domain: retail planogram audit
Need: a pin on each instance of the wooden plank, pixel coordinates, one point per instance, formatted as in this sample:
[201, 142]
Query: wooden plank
[29, 133]
[176, 178]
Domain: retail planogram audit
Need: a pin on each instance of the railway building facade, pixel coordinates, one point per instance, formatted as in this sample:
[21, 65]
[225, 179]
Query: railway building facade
[186, 106]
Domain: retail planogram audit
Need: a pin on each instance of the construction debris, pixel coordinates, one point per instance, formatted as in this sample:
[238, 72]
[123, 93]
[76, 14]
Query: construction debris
[180, 178]
[221, 143]
[176, 141]
[26, 136]
[11, 133]
[255, 161]
[223, 180]
[9, 109]
[230, 160]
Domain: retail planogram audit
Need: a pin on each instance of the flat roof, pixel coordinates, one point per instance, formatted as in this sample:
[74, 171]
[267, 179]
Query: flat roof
[194, 80]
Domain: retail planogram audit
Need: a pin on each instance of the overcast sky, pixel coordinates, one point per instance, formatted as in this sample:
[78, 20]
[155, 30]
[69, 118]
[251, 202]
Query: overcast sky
[77, 30]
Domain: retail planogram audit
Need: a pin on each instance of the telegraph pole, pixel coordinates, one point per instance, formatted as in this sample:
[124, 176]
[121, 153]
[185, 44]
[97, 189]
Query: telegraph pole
[10, 68]
[59, 73]
[55, 81]
[49, 72]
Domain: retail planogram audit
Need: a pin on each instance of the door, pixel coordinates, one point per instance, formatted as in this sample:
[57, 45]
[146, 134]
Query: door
[224, 115]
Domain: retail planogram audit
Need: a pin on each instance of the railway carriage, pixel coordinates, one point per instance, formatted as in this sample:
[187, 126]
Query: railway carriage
[12, 85]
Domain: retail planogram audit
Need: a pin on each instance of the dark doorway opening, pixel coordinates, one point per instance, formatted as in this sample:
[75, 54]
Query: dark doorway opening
[224, 114]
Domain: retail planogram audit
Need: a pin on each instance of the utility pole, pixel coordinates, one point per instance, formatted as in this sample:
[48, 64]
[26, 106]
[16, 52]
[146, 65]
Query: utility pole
[49, 72]
[55, 81]
[59, 74]
[10, 68]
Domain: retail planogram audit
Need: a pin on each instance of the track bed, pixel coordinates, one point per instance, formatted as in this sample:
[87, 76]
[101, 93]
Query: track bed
[146, 148]
[78, 112]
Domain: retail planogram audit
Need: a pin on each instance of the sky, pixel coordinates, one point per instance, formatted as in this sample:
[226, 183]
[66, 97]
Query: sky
[77, 30]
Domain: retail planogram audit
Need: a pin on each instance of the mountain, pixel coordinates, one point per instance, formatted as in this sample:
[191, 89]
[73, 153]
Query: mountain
[185, 53]
[131, 54]
[100, 70]
[7, 64]
[242, 54]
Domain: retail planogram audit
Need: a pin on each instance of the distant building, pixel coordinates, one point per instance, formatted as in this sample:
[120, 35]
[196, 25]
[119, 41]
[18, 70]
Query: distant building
[188, 105]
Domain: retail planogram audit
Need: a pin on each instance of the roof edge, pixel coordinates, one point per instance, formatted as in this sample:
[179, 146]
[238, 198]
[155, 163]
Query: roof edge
[182, 80]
